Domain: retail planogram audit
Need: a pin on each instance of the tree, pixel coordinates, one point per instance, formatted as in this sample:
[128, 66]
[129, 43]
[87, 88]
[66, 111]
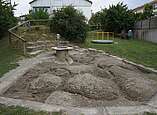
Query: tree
[148, 11]
[7, 19]
[69, 23]
[37, 14]
[96, 18]
[116, 18]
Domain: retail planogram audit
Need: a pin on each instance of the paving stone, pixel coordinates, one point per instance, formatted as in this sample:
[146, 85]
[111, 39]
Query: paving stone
[130, 110]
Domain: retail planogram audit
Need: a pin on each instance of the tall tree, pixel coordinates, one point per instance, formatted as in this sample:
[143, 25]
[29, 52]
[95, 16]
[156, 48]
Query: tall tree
[148, 11]
[116, 18]
[119, 18]
[7, 19]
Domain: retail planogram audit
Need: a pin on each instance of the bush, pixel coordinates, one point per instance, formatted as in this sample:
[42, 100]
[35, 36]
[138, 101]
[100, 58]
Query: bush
[69, 23]
[7, 19]
[37, 14]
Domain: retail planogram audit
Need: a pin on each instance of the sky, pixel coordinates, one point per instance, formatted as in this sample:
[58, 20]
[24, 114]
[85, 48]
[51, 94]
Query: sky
[24, 7]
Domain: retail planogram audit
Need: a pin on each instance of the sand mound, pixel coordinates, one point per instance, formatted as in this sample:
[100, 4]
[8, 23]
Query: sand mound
[60, 98]
[46, 82]
[104, 73]
[135, 85]
[80, 69]
[60, 71]
[82, 58]
[66, 99]
[92, 87]
[107, 62]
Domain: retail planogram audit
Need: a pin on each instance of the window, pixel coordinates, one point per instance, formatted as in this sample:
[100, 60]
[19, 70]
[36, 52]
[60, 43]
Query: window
[155, 6]
[46, 8]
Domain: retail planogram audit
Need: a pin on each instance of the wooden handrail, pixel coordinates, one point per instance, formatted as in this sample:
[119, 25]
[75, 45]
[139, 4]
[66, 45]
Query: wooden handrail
[18, 26]
[19, 37]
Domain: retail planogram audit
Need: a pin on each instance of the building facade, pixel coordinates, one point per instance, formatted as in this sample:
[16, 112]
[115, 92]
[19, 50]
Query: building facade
[50, 5]
[140, 9]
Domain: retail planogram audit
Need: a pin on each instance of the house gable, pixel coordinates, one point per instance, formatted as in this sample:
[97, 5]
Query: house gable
[36, 0]
[83, 6]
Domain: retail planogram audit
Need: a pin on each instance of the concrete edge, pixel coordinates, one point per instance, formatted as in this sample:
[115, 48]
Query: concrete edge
[139, 66]
[37, 106]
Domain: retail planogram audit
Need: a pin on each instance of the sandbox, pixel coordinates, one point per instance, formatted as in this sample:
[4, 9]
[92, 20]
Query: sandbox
[93, 79]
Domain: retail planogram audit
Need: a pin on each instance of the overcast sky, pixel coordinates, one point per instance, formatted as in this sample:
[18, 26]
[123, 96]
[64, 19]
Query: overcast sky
[23, 5]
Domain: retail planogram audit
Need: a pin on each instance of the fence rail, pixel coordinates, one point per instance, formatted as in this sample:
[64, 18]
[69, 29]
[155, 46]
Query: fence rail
[16, 40]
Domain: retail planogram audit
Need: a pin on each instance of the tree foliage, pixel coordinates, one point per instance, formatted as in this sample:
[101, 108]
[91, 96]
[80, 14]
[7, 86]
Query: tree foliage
[69, 23]
[37, 14]
[7, 19]
[115, 18]
[147, 13]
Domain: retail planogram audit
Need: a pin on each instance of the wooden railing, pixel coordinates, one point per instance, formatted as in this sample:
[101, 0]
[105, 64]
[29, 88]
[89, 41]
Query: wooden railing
[15, 38]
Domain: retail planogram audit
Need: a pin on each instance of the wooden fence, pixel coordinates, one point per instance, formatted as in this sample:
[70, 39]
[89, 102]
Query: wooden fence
[146, 30]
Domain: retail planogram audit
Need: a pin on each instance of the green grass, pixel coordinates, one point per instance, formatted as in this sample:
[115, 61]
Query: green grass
[21, 111]
[138, 51]
[148, 113]
[8, 56]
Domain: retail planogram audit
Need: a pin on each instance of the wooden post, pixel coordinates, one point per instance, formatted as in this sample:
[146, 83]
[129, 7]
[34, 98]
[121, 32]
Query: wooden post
[24, 48]
[10, 43]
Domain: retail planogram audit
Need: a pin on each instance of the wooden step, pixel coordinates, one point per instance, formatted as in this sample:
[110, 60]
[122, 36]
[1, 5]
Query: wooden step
[35, 47]
[35, 52]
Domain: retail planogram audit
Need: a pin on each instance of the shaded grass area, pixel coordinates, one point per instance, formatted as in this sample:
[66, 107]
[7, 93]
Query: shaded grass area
[8, 56]
[138, 51]
[147, 113]
[21, 111]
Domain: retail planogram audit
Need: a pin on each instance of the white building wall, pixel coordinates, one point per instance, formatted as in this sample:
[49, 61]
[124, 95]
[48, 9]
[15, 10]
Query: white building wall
[82, 5]
[86, 11]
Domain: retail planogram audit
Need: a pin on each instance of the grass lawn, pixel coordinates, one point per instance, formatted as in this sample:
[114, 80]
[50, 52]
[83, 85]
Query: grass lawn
[138, 51]
[21, 111]
[8, 56]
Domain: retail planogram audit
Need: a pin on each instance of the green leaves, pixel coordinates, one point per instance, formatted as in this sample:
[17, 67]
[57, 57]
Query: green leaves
[7, 19]
[38, 14]
[147, 13]
[116, 18]
[69, 23]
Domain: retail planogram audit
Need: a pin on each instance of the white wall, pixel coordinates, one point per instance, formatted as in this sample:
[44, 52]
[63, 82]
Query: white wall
[82, 5]
[86, 11]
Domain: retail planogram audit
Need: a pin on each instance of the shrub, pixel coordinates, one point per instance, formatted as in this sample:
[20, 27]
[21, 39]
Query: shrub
[7, 19]
[69, 23]
[37, 14]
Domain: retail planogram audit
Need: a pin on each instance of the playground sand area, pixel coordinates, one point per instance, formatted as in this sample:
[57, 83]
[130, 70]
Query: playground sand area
[93, 79]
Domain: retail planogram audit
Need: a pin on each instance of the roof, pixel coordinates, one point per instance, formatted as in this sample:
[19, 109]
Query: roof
[36, 0]
[140, 7]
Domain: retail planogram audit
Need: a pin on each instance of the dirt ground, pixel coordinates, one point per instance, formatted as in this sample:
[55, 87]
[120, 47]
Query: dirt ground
[92, 80]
